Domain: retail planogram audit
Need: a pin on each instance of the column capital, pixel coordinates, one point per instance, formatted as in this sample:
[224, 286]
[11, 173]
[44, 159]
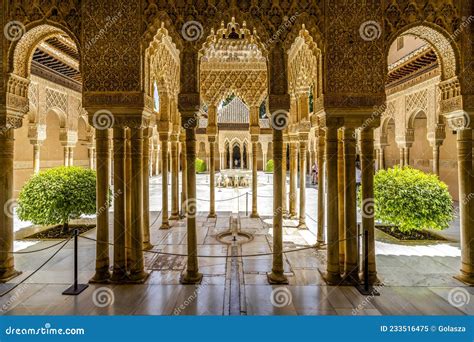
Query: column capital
[326, 121]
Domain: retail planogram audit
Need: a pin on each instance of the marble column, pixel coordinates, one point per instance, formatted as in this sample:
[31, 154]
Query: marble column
[254, 142]
[264, 161]
[302, 216]
[277, 275]
[212, 177]
[191, 275]
[382, 158]
[436, 159]
[406, 156]
[367, 177]
[102, 144]
[36, 157]
[284, 161]
[71, 156]
[164, 180]
[146, 188]
[332, 276]
[66, 155]
[184, 176]
[402, 157]
[120, 261]
[174, 178]
[351, 267]
[90, 154]
[293, 178]
[321, 233]
[128, 198]
[340, 193]
[7, 269]
[137, 270]
[466, 204]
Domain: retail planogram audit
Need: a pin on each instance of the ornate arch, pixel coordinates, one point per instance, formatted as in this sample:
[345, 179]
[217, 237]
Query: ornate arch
[441, 41]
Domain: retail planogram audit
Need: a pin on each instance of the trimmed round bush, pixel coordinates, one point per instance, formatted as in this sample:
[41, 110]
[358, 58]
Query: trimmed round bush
[200, 165]
[412, 199]
[57, 195]
[270, 166]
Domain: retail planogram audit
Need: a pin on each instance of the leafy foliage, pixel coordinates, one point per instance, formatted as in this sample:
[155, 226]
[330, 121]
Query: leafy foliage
[270, 166]
[58, 195]
[200, 165]
[412, 199]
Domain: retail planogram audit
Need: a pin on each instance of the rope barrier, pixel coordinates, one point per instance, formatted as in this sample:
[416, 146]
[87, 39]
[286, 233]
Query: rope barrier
[41, 249]
[34, 272]
[209, 256]
[223, 200]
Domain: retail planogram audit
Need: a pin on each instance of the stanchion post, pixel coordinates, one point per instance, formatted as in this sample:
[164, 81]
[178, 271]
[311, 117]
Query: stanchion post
[75, 288]
[367, 289]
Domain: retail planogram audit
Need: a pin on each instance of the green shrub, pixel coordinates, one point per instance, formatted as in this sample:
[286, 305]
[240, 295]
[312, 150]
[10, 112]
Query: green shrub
[412, 199]
[200, 165]
[58, 195]
[270, 166]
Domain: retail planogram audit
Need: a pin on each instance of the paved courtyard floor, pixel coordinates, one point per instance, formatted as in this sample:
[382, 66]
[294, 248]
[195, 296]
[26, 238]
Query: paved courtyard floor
[417, 278]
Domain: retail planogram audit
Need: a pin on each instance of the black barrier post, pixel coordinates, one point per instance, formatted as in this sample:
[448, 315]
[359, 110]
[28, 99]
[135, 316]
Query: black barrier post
[75, 288]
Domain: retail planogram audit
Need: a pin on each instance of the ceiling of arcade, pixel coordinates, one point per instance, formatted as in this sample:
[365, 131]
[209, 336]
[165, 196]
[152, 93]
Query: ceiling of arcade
[112, 67]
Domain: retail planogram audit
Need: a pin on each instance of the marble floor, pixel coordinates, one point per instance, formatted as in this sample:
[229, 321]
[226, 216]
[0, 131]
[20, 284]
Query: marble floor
[417, 279]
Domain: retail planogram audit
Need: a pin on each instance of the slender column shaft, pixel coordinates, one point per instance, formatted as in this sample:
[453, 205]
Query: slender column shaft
[466, 206]
[277, 275]
[436, 159]
[137, 272]
[184, 177]
[66, 156]
[36, 158]
[71, 156]
[7, 270]
[146, 189]
[102, 193]
[321, 234]
[368, 220]
[406, 156]
[164, 181]
[333, 269]
[174, 180]
[254, 213]
[120, 266]
[340, 190]
[128, 198]
[302, 218]
[382, 158]
[212, 182]
[350, 214]
[284, 159]
[192, 274]
[293, 177]
[402, 157]
[90, 154]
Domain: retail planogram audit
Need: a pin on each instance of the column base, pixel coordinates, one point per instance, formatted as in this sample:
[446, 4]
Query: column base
[165, 225]
[8, 274]
[100, 277]
[190, 278]
[302, 225]
[373, 279]
[147, 246]
[321, 245]
[351, 278]
[138, 277]
[466, 278]
[277, 278]
[254, 215]
[292, 216]
[212, 215]
[119, 276]
[332, 278]
[174, 217]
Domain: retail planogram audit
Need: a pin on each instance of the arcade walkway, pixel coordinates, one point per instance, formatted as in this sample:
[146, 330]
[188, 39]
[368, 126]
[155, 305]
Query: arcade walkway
[417, 278]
